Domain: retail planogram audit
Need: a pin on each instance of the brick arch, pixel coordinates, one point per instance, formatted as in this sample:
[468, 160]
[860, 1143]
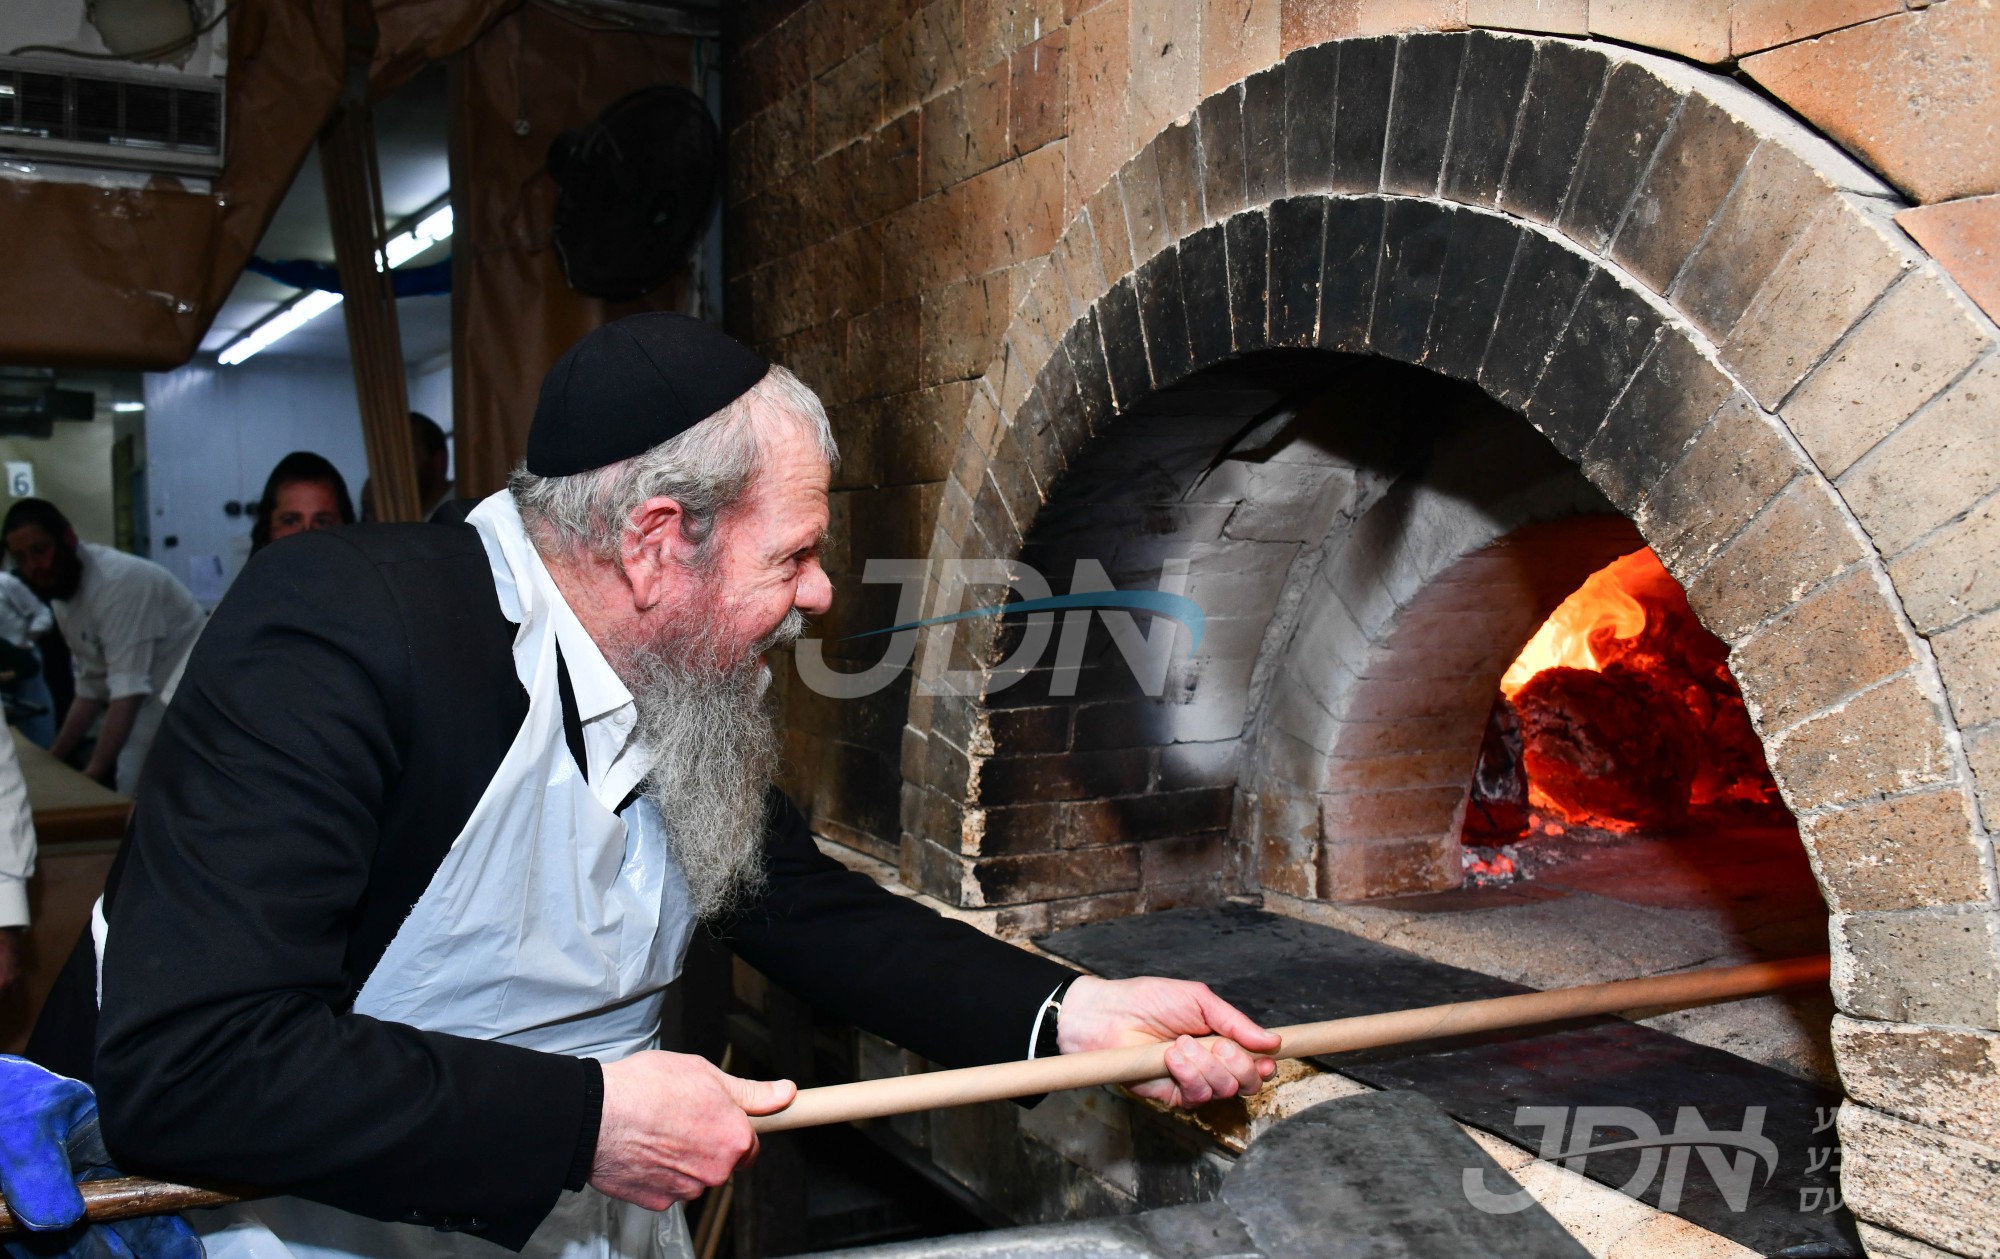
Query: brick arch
[1398, 774]
[1383, 694]
[1706, 309]
[1688, 295]
[1703, 306]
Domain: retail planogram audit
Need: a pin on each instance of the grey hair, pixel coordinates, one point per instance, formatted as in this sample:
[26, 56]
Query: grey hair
[707, 470]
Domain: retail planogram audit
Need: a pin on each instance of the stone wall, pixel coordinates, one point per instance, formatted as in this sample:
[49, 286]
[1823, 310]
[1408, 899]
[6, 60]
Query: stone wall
[994, 234]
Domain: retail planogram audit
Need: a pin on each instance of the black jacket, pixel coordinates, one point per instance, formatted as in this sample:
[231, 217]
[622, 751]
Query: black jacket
[338, 721]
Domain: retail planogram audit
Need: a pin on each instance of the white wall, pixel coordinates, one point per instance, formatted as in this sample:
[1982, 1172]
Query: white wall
[214, 433]
[430, 389]
[73, 471]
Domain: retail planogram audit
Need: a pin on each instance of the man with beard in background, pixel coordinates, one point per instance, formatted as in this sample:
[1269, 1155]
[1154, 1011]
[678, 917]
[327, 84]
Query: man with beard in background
[436, 809]
[129, 625]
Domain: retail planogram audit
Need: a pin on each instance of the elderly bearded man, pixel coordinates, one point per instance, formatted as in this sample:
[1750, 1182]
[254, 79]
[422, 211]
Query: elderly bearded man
[434, 813]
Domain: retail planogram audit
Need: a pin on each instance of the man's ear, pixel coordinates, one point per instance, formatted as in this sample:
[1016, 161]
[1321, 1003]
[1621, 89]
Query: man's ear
[655, 550]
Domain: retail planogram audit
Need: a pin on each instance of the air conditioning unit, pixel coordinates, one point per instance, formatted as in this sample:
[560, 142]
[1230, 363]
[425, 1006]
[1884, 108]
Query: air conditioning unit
[126, 85]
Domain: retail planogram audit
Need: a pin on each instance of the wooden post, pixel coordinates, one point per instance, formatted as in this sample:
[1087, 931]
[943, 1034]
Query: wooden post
[458, 90]
[374, 343]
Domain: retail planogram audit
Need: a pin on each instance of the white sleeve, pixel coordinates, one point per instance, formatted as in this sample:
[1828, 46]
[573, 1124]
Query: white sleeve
[35, 615]
[131, 629]
[17, 837]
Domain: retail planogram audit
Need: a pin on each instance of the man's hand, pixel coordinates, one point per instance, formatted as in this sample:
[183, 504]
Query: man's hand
[119, 719]
[674, 1126]
[1113, 1013]
[82, 712]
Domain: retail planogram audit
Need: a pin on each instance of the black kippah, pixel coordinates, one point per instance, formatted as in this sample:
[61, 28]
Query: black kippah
[633, 384]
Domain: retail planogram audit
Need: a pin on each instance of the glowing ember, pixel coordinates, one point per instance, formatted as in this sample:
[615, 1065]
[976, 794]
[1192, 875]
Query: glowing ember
[1491, 867]
[1619, 714]
[1605, 603]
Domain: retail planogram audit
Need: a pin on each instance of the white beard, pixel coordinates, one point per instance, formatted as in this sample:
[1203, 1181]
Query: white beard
[715, 748]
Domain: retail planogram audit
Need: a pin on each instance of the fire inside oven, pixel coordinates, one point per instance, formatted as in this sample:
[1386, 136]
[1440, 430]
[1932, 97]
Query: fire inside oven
[1620, 717]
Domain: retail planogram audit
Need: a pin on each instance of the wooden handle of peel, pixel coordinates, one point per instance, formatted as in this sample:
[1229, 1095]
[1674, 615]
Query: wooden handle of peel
[128, 1197]
[875, 1099]
[901, 1095]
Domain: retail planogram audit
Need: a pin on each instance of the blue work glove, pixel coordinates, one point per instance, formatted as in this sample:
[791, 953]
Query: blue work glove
[48, 1141]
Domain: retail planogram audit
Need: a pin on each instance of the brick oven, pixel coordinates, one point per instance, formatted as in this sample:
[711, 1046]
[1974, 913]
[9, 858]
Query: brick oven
[1376, 351]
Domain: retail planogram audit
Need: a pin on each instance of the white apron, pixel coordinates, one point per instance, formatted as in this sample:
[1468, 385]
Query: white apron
[561, 947]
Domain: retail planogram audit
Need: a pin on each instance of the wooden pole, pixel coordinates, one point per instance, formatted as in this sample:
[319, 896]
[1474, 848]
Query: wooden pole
[374, 343]
[458, 158]
[876, 1099]
[128, 1197]
[901, 1095]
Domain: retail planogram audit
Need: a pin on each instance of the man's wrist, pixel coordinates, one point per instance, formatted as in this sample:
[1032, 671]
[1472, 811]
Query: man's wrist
[589, 1127]
[1044, 1041]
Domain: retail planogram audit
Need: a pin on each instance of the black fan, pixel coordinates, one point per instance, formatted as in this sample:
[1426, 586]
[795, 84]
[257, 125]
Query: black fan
[633, 189]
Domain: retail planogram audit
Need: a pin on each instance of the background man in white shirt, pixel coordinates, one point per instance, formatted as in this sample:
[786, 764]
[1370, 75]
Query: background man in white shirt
[129, 626]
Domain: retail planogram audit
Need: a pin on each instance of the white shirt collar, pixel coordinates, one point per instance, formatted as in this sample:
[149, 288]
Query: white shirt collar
[599, 689]
[531, 599]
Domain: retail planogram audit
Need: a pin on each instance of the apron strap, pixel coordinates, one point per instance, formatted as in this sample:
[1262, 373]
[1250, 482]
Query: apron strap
[572, 719]
[573, 731]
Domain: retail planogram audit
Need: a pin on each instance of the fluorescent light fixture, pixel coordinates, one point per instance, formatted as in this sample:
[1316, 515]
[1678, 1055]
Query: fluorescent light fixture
[128, 407]
[284, 323]
[433, 228]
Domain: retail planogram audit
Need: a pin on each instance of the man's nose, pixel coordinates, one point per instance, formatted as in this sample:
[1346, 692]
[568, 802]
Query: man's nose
[815, 591]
